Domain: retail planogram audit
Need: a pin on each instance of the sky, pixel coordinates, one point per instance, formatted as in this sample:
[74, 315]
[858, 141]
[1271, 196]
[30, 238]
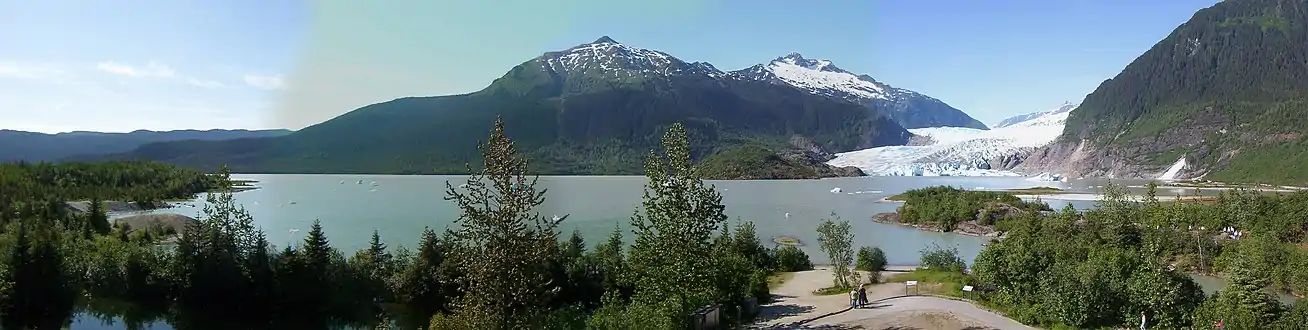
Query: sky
[124, 65]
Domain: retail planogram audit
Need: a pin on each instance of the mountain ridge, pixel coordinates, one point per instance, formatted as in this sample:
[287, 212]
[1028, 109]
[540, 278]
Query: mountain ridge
[595, 108]
[1226, 92]
[39, 147]
[908, 108]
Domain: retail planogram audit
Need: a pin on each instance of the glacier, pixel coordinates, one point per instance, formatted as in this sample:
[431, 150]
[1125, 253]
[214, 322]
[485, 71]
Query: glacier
[959, 151]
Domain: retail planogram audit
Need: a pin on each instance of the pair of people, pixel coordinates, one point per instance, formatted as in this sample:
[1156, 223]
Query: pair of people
[858, 298]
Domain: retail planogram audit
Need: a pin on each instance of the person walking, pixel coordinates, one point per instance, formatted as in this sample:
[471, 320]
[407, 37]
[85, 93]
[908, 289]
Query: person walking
[853, 299]
[862, 296]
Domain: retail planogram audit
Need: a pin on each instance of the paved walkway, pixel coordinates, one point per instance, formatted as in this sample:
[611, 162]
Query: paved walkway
[796, 307]
[794, 300]
[915, 305]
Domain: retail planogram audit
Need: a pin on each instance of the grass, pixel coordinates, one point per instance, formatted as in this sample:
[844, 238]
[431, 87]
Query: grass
[933, 281]
[775, 281]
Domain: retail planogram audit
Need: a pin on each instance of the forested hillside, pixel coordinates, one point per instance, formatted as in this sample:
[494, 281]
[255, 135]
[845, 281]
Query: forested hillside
[1227, 90]
[41, 147]
[593, 109]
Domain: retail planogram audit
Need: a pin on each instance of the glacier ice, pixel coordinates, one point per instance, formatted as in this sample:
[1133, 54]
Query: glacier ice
[958, 151]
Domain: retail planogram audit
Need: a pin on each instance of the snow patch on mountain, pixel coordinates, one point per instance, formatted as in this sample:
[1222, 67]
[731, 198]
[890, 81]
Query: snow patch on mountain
[910, 109]
[610, 57]
[958, 151]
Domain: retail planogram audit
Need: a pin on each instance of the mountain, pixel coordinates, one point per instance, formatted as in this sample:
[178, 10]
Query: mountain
[908, 108]
[597, 108]
[1010, 121]
[961, 151]
[1225, 94]
[39, 147]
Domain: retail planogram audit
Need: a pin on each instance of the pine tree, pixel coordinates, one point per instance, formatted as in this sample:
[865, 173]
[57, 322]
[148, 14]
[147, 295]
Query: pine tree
[507, 246]
[97, 217]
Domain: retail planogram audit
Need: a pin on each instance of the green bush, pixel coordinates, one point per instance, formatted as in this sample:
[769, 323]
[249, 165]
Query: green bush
[871, 259]
[941, 259]
[792, 259]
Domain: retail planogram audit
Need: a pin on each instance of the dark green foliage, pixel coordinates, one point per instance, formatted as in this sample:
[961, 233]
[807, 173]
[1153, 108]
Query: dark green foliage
[792, 259]
[1105, 267]
[125, 181]
[755, 163]
[871, 259]
[1229, 87]
[945, 206]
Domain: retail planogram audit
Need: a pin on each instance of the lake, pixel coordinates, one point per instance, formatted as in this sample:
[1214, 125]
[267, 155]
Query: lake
[399, 207]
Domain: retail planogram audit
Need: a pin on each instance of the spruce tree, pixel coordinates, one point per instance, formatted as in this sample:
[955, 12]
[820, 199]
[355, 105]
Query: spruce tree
[506, 245]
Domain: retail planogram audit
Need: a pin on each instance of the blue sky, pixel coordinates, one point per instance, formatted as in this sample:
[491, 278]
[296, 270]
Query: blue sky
[175, 64]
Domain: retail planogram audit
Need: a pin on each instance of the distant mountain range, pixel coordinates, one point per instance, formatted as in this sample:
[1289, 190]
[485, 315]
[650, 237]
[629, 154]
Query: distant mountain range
[596, 108]
[1225, 95]
[1010, 121]
[39, 147]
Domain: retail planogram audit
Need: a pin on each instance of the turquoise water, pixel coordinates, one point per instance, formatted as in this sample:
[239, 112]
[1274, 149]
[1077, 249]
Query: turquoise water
[398, 207]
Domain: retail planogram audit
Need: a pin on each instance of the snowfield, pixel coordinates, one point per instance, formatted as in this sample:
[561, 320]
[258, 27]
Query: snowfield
[958, 151]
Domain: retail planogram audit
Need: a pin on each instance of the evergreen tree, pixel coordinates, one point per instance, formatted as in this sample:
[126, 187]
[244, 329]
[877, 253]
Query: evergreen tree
[97, 218]
[508, 246]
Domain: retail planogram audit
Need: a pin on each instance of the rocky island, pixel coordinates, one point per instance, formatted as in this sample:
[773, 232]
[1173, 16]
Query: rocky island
[948, 209]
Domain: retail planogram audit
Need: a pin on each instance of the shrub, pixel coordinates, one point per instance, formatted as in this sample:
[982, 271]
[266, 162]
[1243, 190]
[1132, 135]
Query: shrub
[792, 259]
[871, 259]
[941, 259]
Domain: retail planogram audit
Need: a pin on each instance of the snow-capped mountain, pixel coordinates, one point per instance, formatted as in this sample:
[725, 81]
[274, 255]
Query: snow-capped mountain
[1066, 107]
[606, 58]
[957, 151]
[910, 109]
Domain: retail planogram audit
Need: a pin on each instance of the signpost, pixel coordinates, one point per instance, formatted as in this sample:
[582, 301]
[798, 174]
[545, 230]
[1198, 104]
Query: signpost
[910, 284]
[968, 289]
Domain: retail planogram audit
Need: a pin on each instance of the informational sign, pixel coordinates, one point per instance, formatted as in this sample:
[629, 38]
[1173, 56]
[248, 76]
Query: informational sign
[967, 288]
[911, 283]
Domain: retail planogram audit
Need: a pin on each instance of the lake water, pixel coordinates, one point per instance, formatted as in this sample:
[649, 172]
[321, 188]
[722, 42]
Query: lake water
[399, 207]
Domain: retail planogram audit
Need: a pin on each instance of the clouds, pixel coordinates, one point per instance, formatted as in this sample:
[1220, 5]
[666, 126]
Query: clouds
[117, 95]
[205, 83]
[150, 70]
[264, 82]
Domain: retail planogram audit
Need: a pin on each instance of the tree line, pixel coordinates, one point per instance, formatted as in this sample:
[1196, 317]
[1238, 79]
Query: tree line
[1105, 268]
[504, 267]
